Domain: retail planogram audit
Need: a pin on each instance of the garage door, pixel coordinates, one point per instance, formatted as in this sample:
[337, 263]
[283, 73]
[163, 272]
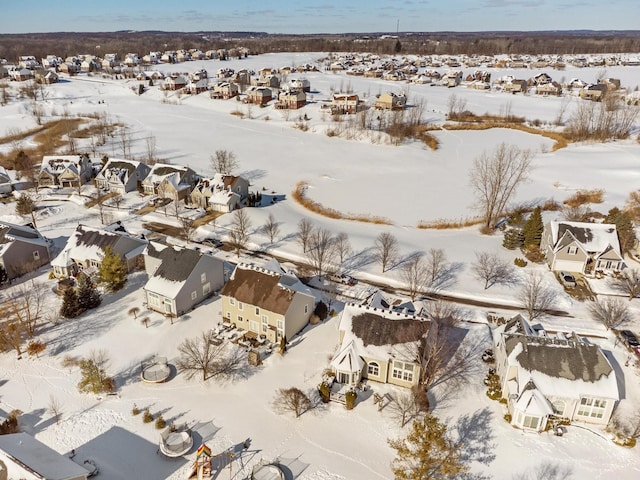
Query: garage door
[567, 266]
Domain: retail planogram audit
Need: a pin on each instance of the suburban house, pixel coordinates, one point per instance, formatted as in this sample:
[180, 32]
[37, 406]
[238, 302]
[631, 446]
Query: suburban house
[593, 92]
[222, 193]
[300, 84]
[551, 88]
[379, 344]
[121, 176]
[6, 186]
[342, 103]
[22, 249]
[85, 249]
[581, 247]
[21, 74]
[266, 301]
[169, 181]
[23, 457]
[46, 77]
[269, 80]
[225, 90]
[175, 82]
[391, 101]
[559, 375]
[291, 99]
[515, 86]
[258, 95]
[179, 278]
[65, 170]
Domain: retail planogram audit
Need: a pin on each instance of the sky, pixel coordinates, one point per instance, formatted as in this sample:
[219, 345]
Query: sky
[320, 16]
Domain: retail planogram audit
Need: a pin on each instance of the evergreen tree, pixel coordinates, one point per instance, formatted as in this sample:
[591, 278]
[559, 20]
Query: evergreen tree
[70, 305]
[26, 205]
[113, 270]
[4, 276]
[533, 228]
[624, 227]
[88, 295]
[513, 239]
[427, 452]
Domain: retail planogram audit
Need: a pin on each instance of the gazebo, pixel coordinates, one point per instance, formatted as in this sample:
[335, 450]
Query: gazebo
[347, 365]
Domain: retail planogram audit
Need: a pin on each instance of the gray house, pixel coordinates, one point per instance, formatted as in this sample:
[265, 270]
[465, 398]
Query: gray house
[121, 176]
[85, 249]
[22, 249]
[169, 181]
[180, 278]
[544, 375]
[5, 182]
[65, 170]
[581, 247]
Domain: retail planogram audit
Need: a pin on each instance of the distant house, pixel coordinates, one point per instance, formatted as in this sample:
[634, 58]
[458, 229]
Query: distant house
[180, 278]
[18, 74]
[85, 249]
[65, 170]
[70, 68]
[225, 90]
[593, 92]
[379, 344]
[551, 88]
[342, 103]
[269, 80]
[6, 186]
[542, 79]
[122, 176]
[391, 101]
[544, 376]
[22, 249]
[515, 86]
[258, 95]
[266, 301]
[581, 247]
[169, 181]
[451, 79]
[176, 82]
[222, 193]
[291, 99]
[195, 87]
[26, 458]
[300, 84]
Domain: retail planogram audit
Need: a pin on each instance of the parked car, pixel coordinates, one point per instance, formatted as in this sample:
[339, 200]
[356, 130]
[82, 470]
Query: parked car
[344, 279]
[212, 242]
[630, 339]
[567, 279]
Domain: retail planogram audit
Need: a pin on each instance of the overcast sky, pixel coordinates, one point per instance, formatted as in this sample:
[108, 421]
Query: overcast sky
[305, 16]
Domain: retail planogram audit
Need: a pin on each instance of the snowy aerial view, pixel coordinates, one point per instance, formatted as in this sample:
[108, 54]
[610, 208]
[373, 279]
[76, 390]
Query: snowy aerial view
[319, 265]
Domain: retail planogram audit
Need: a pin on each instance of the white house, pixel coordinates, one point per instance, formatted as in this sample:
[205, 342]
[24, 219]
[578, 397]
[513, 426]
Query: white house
[544, 375]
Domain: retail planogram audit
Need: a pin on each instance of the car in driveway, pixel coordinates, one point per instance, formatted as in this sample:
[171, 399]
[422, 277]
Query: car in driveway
[212, 242]
[567, 279]
[344, 279]
[629, 338]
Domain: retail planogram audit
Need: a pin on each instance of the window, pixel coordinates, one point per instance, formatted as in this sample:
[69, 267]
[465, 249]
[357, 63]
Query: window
[203, 277]
[194, 295]
[232, 301]
[153, 299]
[572, 250]
[36, 255]
[590, 407]
[265, 319]
[306, 309]
[280, 325]
[240, 319]
[402, 371]
[240, 306]
[253, 326]
[531, 422]
[373, 369]
[558, 407]
[206, 289]
[257, 310]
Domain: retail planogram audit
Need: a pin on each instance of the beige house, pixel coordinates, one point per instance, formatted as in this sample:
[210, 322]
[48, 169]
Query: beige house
[225, 90]
[593, 92]
[391, 101]
[342, 103]
[169, 181]
[222, 193]
[291, 99]
[582, 247]
[266, 301]
[258, 95]
[560, 375]
[379, 344]
[65, 170]
[515, 86]
[551, 88]
[121, 176]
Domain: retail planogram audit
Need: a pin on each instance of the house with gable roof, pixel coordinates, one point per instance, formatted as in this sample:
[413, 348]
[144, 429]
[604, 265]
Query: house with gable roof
[6, 186]
[391, 101]
[581, 247]
[379, 344]
[121, 176]
[24, 457]
[266, 301]
[22, 249]
[85, 249]
[180, 278]
[169, 181]
[559, 375]
[65, 170]
[222, 193]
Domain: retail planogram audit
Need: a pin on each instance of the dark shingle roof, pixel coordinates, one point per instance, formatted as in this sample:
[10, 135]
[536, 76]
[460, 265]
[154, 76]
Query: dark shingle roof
[376, 330]
[261, 289]
[177, 264]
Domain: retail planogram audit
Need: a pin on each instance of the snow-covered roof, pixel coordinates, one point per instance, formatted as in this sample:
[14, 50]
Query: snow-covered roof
[348, 360]
[38, 458]
[594, 237]
[532, 402]
[10, 232]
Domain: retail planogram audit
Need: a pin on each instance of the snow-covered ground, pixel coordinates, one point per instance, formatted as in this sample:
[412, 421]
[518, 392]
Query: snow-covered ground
[405, 184]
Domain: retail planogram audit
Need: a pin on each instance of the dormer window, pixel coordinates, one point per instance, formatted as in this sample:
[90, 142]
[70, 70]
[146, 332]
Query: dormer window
[573, 250]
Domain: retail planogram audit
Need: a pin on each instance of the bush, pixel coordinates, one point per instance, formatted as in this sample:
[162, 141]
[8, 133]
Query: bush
[10, 425]
[146, 416]
[534, 254]
[350, 399]
[520, 262]
[160, 423]
[507, 417]
[135, 410]
[321, 310]
[325, 392]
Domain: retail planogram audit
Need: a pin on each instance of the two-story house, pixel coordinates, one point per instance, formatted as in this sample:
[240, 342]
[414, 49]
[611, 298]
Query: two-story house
[121, 176]
[169, 181]
[65, 170]
[222, 193]
[22, 249]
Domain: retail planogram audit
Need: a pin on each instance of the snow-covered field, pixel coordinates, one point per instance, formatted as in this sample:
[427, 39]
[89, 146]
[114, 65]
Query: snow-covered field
[405, 184]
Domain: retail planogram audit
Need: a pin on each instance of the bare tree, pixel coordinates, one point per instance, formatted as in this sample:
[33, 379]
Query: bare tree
[99, 200]
[224, 162]
[305, 227]
[151, 150]
[628, 282]
[26, 305]
[124, 140]
[436, 265]
[55, 408]
[535, 296]
[239, 234]
[495, 178]
[385, 249]
[271, 228]
[627, 425]
[402, 407]
[343, 247]
[612, 312]
[11, 336]
[26, 205]
[116, 199]
[163, 193]
[576, 213]
[199, 355]
[291, 400]
[492, 269]
[321, 251]
[415, 274]
[187, 226]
